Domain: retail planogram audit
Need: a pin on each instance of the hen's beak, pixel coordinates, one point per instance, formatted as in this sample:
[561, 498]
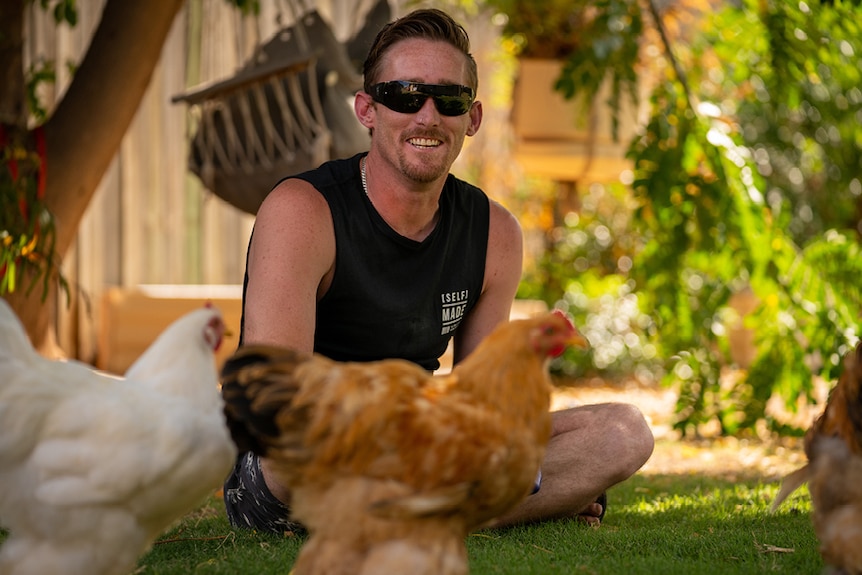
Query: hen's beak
[578, 340]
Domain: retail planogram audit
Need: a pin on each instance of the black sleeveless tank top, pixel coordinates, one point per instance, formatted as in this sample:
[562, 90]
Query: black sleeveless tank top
[393, 297]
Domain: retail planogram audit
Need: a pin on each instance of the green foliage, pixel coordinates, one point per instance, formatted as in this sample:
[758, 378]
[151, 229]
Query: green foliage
[585, 272]
[64, 11]
[546, 29]
[703, 182]
[247, 6]
[610, 44]
[746, 178]
[27, 229]
[39, 73]
[792, 81]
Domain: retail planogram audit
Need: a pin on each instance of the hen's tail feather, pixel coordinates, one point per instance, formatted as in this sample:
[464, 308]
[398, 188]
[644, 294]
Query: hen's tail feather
[790, 484]
[257, 384]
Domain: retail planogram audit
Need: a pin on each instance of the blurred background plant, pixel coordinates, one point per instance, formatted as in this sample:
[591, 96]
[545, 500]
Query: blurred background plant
[27, 228]
[740, 218]
[585, 268]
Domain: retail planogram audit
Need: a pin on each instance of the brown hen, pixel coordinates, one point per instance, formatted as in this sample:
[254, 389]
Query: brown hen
[833, 446]
[391, 467]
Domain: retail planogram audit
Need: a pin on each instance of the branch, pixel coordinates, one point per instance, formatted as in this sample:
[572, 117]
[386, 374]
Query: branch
[665, 39]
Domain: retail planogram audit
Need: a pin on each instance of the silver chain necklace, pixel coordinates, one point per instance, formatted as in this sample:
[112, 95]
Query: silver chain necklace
[362, 175]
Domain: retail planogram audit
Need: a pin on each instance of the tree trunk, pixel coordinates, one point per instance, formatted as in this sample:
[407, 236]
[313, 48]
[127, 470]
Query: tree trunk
[12, 108]
[87, 127]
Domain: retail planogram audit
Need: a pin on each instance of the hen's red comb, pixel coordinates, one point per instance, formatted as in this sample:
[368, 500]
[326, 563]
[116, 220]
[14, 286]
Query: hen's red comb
[565, 316]
[575, 339]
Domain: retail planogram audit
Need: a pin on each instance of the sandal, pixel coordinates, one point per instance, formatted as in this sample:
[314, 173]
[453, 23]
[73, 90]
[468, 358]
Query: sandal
[603, 501]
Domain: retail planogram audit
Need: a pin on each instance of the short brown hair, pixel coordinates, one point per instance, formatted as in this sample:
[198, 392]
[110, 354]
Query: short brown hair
[428, 24]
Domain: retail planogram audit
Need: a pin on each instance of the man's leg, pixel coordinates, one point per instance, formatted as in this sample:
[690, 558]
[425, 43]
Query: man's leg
[592, 448]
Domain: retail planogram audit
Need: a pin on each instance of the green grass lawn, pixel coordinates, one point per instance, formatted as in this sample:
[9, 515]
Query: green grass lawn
[656, 524]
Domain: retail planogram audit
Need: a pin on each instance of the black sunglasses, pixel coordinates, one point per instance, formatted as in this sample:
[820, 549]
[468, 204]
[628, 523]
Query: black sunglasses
[409, 97]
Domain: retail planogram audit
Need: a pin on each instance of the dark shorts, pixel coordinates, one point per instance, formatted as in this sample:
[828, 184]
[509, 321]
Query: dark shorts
[249, 502]
[251, 505]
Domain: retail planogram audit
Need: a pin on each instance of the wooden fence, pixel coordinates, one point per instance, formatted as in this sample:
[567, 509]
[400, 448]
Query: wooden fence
[151, 221]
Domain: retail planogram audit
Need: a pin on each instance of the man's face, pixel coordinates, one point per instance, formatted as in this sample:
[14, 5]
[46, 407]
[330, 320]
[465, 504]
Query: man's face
[423, 144]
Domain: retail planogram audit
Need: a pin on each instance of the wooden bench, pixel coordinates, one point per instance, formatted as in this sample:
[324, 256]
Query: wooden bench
[132, 318]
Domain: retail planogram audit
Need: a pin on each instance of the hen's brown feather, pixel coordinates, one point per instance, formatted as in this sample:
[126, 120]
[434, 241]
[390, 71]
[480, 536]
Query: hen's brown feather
[833, 445]
[389, 463]
[842, 416]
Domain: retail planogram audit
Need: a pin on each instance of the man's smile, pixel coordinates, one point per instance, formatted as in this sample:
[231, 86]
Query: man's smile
[424, 142]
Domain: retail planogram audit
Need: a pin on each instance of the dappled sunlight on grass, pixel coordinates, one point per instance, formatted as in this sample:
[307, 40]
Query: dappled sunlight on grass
[727, 457]
[769, 459]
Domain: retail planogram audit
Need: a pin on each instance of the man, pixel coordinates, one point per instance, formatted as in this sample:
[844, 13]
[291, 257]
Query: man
[388, 255]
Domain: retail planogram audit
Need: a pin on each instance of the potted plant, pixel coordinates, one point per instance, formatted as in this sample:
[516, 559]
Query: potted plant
[577, 77]
[549, 29]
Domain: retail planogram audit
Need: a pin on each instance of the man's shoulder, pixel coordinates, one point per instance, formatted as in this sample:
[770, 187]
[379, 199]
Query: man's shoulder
[472, 193]
[337, 169]
[503, 219]
[329, 173]
[465, 197]
[463, 185]
[292, 198]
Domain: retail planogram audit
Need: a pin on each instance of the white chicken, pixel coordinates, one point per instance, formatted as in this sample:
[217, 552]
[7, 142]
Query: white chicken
[94, 468]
